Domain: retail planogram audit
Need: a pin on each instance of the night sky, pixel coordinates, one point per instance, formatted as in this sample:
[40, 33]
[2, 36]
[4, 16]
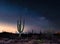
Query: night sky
[39, 15]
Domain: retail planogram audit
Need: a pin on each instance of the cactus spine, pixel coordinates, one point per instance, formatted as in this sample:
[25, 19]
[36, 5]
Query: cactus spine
[20, 26]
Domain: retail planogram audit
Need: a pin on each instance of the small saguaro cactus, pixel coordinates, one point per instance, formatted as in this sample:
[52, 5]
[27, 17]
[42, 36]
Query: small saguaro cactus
[20, 26]
[32, 31]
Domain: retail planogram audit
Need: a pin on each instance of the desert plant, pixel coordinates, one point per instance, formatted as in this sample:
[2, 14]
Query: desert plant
[20, 26]
[32, 31]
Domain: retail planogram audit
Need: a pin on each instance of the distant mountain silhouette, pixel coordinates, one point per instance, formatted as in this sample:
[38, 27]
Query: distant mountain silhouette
[8, 35]
[29, 35]
[14, 35]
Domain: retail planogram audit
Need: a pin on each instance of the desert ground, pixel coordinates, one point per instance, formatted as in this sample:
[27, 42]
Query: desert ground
[9, 38]
[27, 41]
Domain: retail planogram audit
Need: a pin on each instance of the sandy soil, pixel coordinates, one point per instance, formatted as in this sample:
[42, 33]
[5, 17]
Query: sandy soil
[26, 41]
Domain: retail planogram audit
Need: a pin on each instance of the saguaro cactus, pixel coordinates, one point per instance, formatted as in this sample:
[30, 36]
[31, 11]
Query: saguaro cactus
[32, 31]
[20, 26]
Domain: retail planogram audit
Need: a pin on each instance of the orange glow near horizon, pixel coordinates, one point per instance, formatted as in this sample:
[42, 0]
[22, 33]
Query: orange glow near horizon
[6, 27]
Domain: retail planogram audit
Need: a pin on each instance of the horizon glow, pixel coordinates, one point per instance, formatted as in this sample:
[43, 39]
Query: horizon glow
[6, 27]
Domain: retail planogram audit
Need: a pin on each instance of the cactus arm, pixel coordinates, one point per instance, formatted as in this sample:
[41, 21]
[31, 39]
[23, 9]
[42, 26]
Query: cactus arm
[18, 25]
[23, 25]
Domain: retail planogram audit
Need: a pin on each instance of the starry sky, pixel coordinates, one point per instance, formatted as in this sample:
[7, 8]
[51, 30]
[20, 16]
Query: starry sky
[39, 15]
